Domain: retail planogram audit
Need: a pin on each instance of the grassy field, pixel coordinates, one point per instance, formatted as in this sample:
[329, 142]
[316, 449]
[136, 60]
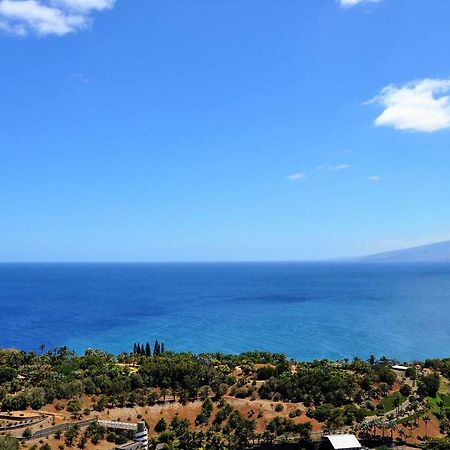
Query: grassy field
[439, 403]
[388, 402]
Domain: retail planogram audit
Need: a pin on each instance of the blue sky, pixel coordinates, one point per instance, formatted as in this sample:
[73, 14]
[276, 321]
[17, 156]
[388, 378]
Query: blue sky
[203, 130]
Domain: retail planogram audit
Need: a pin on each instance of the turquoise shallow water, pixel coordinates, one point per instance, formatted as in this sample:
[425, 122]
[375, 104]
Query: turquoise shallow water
[305, 310]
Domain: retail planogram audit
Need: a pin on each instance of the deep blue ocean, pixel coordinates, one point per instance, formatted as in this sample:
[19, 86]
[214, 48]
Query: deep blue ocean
[305, 310]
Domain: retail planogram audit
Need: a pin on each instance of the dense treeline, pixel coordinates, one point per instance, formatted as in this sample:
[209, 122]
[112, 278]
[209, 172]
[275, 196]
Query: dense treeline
[27, 379]
[334, 393]
[312, 384]
[440, 365]
[334, 383]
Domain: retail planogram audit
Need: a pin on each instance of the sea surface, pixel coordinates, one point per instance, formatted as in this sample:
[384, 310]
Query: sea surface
[306, 310]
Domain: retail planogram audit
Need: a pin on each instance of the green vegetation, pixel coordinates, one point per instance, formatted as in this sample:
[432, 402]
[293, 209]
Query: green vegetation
[27, 433]
[205, 414]
[295, 413]
[391, 402]
[429, 385]
[161, 425]
[145, 350]
[281, 426]
[336, 394]
[313, 383]
[439, 365]
[224, 412]
[437, 444]
[335, 417]
[7, 374]
[8, 443]
[440, 407]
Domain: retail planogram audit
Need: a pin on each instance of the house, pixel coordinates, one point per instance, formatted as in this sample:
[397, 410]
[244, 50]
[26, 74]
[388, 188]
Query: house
[399, 368]
[140, 438]
[342, 442]
[141, 435]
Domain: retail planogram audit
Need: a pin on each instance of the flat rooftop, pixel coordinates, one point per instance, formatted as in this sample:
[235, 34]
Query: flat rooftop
[343, 441]
[402, 368]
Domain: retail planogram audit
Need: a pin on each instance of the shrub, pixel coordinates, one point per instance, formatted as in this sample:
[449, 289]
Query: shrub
[405, 390]
[161, 425]
[429, 385]
[295, 413]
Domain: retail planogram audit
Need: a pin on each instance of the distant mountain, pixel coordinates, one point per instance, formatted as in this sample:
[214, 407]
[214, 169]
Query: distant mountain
[439, 252]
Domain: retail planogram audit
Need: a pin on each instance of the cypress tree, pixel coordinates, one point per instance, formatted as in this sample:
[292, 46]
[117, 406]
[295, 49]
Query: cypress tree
[148, 351]
[138, 349]
[156, 348]
[134, 348]
[163, 348]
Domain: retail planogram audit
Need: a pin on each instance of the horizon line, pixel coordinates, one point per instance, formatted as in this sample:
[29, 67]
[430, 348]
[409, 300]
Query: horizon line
[354, 260]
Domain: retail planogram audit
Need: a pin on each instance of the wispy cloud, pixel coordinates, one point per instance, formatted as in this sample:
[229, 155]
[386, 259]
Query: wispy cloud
[416, 106]
[48, 17]
[80, 77]
[85, 5]
[375, 178]
[350, 3]
[299, 176]
[337, 167]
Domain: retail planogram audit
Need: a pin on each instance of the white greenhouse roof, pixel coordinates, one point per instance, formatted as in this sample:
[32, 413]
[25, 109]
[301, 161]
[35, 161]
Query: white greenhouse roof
[397, 367]
[343, 441]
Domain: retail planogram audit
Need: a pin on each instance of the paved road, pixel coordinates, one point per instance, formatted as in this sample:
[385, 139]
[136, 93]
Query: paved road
[83, 423]
[63, 427]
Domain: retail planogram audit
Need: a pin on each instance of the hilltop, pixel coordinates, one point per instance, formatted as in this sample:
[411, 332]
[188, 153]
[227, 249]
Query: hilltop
[438, 252]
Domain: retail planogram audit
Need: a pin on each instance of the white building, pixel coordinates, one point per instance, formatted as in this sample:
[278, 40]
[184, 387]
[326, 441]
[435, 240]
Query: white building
[399, 368]
[141, 435]
[343, 442]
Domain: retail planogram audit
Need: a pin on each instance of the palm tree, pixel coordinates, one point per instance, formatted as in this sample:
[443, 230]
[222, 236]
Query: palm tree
[9, 443]
[204, 392]
[426, 418]
[383, 425]
[365, 426]
[397, 402]
[376, 424]
[164, 393]
[384, 389]
[375, 392]
[392, 425]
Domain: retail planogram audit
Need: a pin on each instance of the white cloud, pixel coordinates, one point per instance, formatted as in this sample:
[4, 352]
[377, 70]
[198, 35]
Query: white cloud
[85, 5]
[417, 106]
[375, 178]
[296, 177]
[337, 167]
[351, 3]
[47, 17]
